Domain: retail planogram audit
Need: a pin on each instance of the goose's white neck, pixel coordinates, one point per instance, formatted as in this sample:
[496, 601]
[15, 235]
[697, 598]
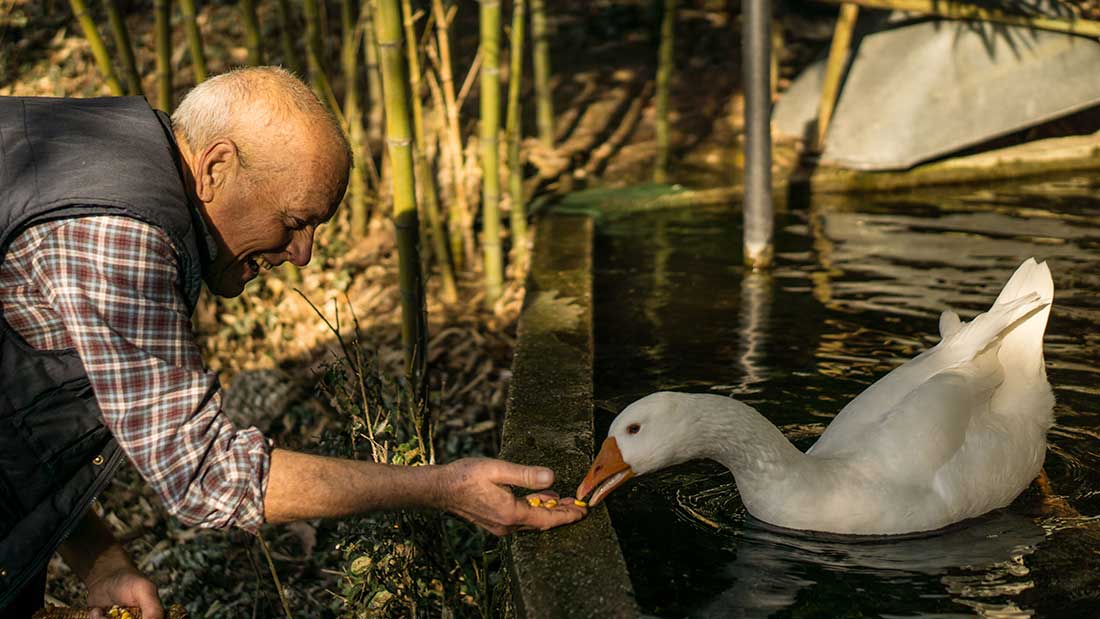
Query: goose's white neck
[677, 427]
[746, 442]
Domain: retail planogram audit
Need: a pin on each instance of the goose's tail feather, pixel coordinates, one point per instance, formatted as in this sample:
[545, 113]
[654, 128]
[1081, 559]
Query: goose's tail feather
[1014, 324]
[1022, 347]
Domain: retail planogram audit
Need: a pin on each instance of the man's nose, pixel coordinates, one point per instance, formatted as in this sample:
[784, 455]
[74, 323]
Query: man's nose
[301, 247]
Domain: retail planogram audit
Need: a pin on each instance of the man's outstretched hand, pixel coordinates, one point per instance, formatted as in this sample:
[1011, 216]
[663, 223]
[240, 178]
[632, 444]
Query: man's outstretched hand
[476, 489]
[302, 486]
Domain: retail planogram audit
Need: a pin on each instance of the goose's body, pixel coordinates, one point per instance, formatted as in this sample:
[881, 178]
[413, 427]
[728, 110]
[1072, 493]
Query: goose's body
[952, 434]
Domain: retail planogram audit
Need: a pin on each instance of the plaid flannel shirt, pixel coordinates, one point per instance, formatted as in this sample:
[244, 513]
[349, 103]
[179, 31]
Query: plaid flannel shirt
[109, 287]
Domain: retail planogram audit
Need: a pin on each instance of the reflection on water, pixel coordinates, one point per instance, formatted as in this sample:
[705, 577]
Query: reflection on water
[773, 567]
[857, 289]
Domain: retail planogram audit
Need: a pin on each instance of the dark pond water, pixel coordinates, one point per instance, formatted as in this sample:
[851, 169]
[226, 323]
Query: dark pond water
[857, 289]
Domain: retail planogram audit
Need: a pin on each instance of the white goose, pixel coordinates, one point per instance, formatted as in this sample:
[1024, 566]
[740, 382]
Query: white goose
[952, 434]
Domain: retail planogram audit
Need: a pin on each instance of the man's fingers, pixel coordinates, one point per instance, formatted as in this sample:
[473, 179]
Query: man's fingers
[146, 594]
[533, 477]
[543, 497]
[152, 609]
[541, 517]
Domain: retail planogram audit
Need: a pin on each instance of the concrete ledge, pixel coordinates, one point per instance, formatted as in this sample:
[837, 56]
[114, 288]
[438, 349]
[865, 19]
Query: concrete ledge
[1053, 155]
[577, 570]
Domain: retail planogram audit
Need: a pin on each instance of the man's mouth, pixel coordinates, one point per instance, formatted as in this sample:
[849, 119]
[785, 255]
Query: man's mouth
[255, 262]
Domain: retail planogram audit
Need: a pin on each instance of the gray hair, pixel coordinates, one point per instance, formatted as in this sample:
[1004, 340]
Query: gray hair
[215, 108]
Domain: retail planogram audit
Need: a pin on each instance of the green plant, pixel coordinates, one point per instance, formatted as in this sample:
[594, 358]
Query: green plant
[398, 564]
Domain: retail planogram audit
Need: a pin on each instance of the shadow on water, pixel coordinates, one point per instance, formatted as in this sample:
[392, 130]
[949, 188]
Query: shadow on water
[857, 289]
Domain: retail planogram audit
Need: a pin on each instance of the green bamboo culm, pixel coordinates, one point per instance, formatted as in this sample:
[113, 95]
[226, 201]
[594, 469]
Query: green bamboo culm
[490, 153]
[375, 107]
[664, 78]
[313, 46]
[122, 44]
[540, 49]
[399, 140]
[349, 60]
[194, 40]
[514, 129]
[162, 28]
[317, 77]
[460, 219]
[99, 50]
[253, 40]
[425, 180]
[286, 39]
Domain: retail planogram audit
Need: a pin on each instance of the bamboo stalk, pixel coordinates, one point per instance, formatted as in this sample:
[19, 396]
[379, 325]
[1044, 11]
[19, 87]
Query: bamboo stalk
[323, 52]
[375, 108]
[286, 40]
[313, 44]
[468, 83]
[99, 49]
[544, 105]
[665, 55]
[514, 129]
[194, 40]
[317, 76]
[349, 60]
[399, 145]
[125, 48]
[460, 220]
[951, 9]
[163, 36]
[834, 69]
[490, 154]
[424, 177]
[253, 41]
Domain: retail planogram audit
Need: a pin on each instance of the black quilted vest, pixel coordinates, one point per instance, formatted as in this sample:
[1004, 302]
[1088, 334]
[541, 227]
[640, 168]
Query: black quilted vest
[67, 158]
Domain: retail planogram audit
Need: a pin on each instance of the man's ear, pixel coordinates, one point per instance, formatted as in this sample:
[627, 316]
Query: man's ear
[218, 164]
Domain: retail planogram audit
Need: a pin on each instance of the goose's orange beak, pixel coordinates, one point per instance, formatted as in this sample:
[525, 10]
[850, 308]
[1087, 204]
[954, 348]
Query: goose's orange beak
[608, 472]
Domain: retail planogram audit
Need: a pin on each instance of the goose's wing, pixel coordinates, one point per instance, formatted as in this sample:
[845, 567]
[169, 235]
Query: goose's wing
[913, 439]
[960, 345]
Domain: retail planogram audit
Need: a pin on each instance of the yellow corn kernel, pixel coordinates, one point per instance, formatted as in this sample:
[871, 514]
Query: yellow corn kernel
[534, 501]
[579, 503]
[551, 504]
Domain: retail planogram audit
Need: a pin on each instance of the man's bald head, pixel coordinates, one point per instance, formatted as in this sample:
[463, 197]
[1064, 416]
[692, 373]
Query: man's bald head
[267, 165]
[272, 117]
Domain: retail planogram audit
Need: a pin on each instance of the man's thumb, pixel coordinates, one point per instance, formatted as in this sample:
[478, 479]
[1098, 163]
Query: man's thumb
[533, 477]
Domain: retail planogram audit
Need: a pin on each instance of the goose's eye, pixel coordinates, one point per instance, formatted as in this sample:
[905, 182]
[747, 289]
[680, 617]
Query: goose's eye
[633, 428]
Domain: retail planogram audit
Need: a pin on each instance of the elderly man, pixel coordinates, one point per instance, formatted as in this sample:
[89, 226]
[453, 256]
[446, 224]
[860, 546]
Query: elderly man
[110, 217]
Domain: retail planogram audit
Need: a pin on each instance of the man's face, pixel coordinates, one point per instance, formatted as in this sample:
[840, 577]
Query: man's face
[261, 229]
[264, 223]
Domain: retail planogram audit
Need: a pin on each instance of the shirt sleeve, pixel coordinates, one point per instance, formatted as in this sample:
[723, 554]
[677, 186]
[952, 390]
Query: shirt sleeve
[115, 283]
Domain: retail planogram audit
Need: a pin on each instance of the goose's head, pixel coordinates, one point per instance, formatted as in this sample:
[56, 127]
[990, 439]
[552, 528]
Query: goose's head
[655, 432]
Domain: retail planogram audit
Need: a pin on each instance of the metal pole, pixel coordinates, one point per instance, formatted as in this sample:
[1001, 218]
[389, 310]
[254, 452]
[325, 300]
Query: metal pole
[756, 49]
